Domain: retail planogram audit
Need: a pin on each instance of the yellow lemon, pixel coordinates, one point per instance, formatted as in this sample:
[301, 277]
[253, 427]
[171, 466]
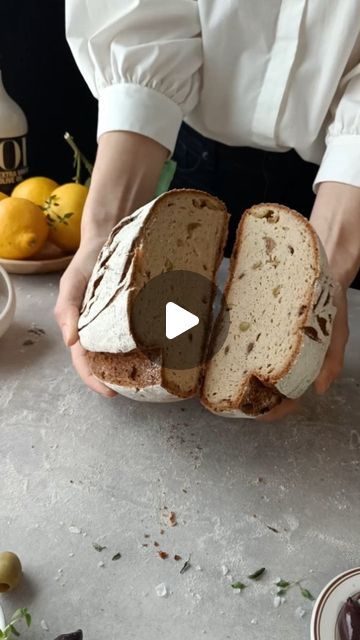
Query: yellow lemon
[35, 189]
[23, 228]
[2, 195]
[64, 210]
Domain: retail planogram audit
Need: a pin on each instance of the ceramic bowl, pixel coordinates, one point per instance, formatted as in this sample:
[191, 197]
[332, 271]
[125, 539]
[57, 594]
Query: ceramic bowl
[7, 301]
[327, 607]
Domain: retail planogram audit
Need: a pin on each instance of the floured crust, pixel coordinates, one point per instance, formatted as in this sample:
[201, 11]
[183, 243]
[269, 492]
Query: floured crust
[310, 342]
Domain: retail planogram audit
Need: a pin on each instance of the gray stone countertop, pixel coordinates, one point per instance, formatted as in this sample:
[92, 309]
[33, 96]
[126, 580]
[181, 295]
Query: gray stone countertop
[78, 469]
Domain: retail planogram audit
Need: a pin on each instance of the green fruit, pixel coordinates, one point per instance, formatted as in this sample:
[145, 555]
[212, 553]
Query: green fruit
[10, 571]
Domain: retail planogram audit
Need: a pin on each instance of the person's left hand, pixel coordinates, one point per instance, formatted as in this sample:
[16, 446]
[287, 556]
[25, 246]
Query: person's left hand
[334, 360]
[333, 363]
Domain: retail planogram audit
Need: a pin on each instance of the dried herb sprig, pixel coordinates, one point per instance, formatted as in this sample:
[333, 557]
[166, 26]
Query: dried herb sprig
[285, 585]
[79, 158]
[10, 630]
[185, 567]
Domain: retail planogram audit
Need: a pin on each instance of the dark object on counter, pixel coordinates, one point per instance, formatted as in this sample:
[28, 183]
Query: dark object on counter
[77, 635]
[349, 619]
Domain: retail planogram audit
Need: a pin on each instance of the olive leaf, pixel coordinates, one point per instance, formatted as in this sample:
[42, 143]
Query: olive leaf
[239, 585]
[257, 574]
[307, 594]
[283, 584]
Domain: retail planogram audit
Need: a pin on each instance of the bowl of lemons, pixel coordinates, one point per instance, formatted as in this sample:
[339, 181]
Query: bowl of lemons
[40, 225]
[7, 301]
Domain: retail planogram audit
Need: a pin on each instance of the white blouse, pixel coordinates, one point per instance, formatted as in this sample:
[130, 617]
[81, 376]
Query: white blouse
[271, 74]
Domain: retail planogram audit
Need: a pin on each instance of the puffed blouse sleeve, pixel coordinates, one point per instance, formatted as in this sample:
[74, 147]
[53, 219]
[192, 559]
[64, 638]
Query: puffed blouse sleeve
[141, 59]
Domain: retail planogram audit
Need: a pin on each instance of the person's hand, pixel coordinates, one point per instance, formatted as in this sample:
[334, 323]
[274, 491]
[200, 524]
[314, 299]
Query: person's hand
[334, 360]
[333, 363]
[72, 288]
[336, 219]
[120, 184]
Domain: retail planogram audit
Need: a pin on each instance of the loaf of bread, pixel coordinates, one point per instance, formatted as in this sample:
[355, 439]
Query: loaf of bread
[181, 230]
[279, 295]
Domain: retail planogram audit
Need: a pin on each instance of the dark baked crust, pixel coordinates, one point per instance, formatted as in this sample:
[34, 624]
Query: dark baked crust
[132, 370]
[257, 399]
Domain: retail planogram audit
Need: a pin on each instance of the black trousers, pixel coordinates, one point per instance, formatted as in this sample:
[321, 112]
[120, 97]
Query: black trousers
[242, 176]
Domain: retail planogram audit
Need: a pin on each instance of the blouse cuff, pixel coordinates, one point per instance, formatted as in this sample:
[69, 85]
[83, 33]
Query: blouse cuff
[341, 161]
[132, 107]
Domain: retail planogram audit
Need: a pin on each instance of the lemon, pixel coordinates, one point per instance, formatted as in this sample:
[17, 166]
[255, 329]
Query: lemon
[64, 210]
[23, 228]
[35, 189]
[2, 195]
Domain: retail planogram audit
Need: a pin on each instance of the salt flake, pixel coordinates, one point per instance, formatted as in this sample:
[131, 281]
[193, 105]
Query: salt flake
[74, 530]
[43, 625]
[161, 590]
[300, 612]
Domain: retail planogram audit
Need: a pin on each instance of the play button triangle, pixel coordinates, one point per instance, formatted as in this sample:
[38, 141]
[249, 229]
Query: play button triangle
[178, 320]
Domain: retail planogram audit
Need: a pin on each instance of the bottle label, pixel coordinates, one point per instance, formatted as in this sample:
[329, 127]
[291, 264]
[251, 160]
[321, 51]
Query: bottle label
[13, 162]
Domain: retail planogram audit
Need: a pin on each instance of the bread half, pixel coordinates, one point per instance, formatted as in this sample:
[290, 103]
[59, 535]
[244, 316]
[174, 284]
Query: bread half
[181, 230]
[280, 298]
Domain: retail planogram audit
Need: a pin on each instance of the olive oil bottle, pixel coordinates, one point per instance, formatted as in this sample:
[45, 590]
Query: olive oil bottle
[13, 139]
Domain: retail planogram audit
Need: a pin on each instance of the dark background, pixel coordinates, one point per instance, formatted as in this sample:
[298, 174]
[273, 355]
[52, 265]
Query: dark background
[40, 74]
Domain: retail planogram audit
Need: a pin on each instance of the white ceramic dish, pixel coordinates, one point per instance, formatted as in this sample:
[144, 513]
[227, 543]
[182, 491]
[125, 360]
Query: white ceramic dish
[331, 599]
[7, 301]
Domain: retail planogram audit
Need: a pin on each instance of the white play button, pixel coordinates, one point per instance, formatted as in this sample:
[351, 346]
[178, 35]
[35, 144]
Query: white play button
[178, 320]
